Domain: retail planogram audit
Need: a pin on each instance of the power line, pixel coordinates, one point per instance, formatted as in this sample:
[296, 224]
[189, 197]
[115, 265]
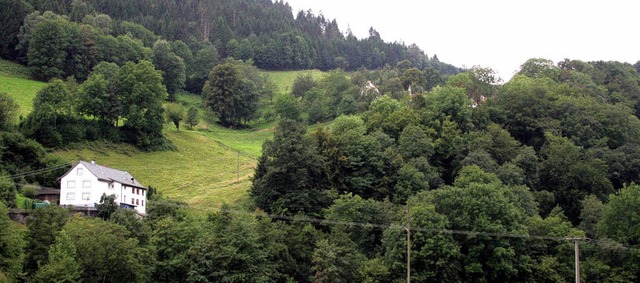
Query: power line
[304, 218]
[399, 227]
[39, 171]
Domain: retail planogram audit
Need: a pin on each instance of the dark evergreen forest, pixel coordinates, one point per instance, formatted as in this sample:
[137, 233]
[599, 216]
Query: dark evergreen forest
[261, 30]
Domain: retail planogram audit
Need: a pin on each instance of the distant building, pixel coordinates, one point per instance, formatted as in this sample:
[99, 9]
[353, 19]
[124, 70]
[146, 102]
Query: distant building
[48, 194]
[84, 184]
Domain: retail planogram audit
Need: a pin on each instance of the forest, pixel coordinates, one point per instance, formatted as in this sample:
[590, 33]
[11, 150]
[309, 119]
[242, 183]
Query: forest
[490, 181]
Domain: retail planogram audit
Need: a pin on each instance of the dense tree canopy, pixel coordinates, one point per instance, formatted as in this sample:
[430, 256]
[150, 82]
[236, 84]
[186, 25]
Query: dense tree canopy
[490, 179]
[290, 175]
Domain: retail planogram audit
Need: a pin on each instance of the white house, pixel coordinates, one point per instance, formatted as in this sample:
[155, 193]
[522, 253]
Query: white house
[84, 184]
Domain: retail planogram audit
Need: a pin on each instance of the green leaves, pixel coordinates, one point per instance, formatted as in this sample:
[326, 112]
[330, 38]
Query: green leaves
[232, 97]
[290, 177]
[621, 217]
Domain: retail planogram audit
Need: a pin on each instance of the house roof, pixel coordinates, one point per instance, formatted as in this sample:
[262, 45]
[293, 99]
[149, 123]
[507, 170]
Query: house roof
[110, 174]
[48, 191]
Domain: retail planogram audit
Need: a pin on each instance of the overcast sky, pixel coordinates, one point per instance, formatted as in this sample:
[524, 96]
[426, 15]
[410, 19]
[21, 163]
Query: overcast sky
[497, 34]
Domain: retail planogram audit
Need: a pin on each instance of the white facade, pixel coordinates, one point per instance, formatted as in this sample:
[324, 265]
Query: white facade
[84, 184]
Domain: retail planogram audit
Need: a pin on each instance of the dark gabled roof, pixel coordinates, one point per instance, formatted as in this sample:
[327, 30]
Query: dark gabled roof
[109, 174]
[48, 191]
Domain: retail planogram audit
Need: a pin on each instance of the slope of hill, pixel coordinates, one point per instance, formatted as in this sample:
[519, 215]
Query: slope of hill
[203, 172]
[284, 79]
[211, 166]
[15, 81]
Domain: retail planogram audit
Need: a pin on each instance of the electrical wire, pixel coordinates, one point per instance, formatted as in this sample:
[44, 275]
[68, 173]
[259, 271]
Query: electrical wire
[39, 171]
[595, 242]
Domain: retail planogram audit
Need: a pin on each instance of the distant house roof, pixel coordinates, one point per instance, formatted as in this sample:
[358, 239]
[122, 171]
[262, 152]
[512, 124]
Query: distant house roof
[48, 191]
[109, 174]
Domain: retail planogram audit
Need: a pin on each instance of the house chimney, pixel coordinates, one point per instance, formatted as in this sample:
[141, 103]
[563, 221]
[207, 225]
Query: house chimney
[93, 162]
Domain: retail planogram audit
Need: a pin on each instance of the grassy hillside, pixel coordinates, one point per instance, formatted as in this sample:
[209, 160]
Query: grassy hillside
[203, 172]
[211, 166]
[284, 79]
[15, 80]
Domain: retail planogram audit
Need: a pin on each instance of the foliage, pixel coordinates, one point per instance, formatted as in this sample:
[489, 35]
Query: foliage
[354, 209]
[11, 246]
[125, 262]
[99, 94]
[171, 65]
[474, 161]
[302, 84]
[107, 206]
[290, 176]
[7, 191]
[175, 114]
[44, 226]
[8, 111]
[192, 117]
[173, 239]
[233, 251]
[619, 218]
[336, 262]
[61, 265]
[144, 91]
[230, 96]
[129, 219]
[571, 174]
[287, 107]
[47, 49]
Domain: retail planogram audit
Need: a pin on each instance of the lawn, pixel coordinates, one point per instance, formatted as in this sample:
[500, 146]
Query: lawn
[14, 80]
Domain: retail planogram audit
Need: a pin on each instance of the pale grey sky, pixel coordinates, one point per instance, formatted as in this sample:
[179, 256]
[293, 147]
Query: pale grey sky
[499, 34]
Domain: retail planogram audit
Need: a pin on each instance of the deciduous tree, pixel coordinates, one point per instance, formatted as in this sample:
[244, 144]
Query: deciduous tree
[125, 261]
[175, 114]
[290, 176]
[192, 117]
[61, 265]
[230, 96]
[8, 111]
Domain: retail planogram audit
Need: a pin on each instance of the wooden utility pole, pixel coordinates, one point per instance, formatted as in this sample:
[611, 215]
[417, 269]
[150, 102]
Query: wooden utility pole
[577, 252]
[238, 174]
[576, 247]
[408, 228]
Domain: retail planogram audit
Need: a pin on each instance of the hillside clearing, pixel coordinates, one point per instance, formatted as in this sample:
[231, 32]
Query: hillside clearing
[284, 79]
[203, 172]
[14, 80]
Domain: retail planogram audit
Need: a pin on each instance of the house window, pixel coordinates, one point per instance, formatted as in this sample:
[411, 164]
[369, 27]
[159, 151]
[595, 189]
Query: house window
[86, 184]
[142, 202]
[71, 184]
[137, 202]
[86, 196]
[111, 186]
[133, 190]
[143, 192]
[133, 201]
[71, 196]
[138, 191]
[79, 171]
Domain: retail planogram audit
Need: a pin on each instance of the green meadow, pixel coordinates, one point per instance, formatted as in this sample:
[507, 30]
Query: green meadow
[284, 79]
[15, 81]
[203, 172]
[211, 165]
